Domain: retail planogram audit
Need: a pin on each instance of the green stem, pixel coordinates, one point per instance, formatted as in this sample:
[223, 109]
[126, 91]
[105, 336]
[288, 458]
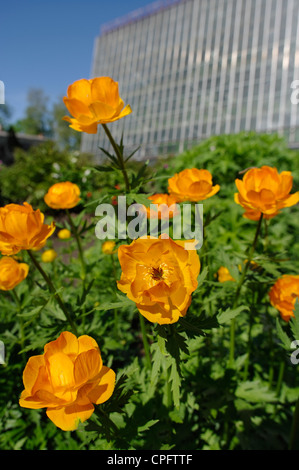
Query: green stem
[53, 291]
[238, 291]
[116, 320]
[280, 377]
[80, 250]
[295, 428]
[145, 341]
[21, 322]
[248, 347]
[168, 390]
[119, 157]
[271, 360]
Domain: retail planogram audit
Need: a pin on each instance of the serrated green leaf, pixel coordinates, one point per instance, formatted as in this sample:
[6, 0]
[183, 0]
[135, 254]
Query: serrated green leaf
[255, 392]
[147, 426]
[229, 314]
[175, 380]
[139, 198]
[202, 276]
[294, 321]
[123, 302]
[285, 340]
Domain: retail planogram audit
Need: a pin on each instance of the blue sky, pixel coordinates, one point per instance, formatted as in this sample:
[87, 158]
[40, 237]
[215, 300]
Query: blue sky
[48, 44]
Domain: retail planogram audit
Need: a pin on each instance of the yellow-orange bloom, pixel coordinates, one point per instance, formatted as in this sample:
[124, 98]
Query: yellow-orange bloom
[92, 102]
[160, 205]
[192, 185]
[65, 195]
[283, 295]
[108, 247]
[48, 256]
[224, 274]
[64, 234]
[265, 191]
[67, 380]
[12, 273]
[22, 228]
[159, 275]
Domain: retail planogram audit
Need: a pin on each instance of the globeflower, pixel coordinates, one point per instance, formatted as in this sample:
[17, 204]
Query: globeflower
[192, 185]
[22, 228]
[64, 234]
[11, 273]
[92, 102]
[48, 256]
[160, 205]
[265, 191]
[159, 275]
[108, 247]
[224, 275]
[283, 295]
[65, 195]
[67, 379]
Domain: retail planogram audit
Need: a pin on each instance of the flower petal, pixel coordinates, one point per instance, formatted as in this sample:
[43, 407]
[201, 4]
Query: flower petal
[104, 389]
[68, 418]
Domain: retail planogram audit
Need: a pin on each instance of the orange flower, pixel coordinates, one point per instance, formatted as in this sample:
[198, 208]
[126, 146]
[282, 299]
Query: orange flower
[159, 275]
[162, 203]
[67, 380]
[93, 102]
[11, 273]
[64, 195]
[265, 191]
[224, 274]
[192, 185]
[22, 228]
[283, 295]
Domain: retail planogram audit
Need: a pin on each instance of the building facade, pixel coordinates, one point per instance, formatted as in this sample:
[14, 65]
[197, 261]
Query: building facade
[195, 68]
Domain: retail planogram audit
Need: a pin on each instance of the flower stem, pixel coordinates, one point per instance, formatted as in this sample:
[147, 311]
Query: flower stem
[21, 322]
[80, 250]
[169, 403]
[238, 291]
[145, 341]
[53, 291]
[119, 157]
[248, 347]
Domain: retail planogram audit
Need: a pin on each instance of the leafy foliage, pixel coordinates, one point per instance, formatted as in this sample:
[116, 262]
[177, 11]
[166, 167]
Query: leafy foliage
[189, 398]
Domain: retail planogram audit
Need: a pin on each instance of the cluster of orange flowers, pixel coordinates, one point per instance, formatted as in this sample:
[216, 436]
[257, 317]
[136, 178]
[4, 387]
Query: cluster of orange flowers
[159, 275]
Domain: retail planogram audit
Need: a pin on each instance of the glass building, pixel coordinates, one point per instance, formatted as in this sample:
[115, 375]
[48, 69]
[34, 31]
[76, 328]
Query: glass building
[195, 68]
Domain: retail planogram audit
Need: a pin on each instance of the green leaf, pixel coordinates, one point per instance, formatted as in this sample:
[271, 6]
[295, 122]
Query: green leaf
[104, 168]
[147, 426]
[202, 276]
[158, 355]
[294, 321]
[133, 153]
[255, 392]
[175, 380]
[111, 305]
[285, 340]
[111, 157]
[229, 314]
[139, 198]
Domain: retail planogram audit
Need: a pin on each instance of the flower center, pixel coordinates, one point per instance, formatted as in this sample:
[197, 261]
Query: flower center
[157, 274]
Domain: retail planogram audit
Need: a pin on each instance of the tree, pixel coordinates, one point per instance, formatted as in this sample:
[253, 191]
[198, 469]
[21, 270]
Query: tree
[37, 117]
[5, 115]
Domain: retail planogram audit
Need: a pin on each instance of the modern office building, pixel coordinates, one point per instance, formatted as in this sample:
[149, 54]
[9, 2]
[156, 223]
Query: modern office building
[195, 68]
